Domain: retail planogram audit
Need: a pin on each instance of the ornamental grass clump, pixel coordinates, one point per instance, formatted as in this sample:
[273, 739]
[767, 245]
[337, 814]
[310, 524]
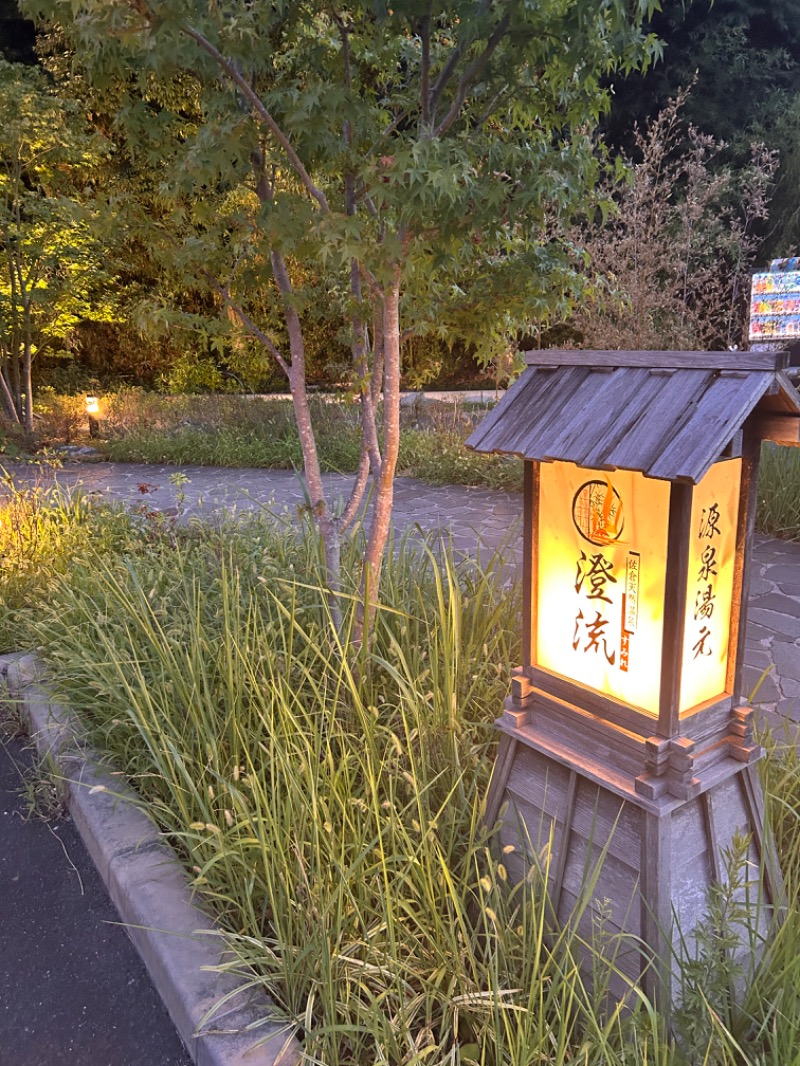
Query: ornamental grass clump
[331, 813]
[779, 492]
[42, 530]
[332, 817]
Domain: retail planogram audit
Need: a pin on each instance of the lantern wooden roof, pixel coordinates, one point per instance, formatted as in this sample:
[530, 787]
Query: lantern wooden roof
[667, 414]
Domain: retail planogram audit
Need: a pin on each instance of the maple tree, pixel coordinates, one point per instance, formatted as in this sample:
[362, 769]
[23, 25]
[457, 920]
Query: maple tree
[408, 154]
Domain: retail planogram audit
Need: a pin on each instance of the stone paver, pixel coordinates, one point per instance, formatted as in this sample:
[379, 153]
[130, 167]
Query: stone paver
[472, 518]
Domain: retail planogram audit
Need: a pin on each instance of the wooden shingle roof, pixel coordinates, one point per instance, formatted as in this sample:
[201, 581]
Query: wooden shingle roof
[668, 414]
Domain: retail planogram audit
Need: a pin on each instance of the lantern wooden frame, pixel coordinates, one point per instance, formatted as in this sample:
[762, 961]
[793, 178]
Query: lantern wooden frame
[582, 774]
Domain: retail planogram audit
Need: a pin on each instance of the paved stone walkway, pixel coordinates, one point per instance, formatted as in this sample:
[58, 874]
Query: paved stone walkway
[475, 520]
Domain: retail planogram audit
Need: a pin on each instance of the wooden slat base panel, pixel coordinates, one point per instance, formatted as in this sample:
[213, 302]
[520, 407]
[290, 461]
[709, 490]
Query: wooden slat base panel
[616, 892]
[592, 845]
[535, 837]
[539, 781]
[688, 836]
[594, 927]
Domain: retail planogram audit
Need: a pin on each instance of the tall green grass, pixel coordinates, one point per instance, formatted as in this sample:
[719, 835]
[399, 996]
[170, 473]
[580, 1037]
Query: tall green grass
[42, 530]
[238, 431]
[779, 492]
[438, 456]
[331, 812]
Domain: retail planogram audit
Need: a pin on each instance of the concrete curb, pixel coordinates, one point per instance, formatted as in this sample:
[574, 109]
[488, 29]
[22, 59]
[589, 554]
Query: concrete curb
[177, 941]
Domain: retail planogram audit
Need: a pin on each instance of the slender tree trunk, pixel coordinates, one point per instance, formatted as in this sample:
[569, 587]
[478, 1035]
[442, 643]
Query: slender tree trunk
[384, 487]
[27, 409]
[5, 392]
[369, 428]
[377, 360]
[326, 523]
[15, 383]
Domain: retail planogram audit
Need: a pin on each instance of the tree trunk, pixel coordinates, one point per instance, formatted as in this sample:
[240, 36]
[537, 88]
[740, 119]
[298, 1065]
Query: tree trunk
[366, 383]
[377, 365]
[6, 394]
[384, 488]
[14, 382]
[326, 523]
[27, 409]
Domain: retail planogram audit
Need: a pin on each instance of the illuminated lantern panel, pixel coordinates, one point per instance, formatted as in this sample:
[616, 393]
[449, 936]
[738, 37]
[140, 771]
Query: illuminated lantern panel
[602, 560]
[709, 595]
[601, 573]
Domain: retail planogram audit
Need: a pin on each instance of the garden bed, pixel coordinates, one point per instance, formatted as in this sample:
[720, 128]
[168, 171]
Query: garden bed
[330, 810]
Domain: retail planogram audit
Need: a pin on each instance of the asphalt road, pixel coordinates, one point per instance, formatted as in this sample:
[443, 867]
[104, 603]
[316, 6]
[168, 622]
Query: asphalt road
[73, 991]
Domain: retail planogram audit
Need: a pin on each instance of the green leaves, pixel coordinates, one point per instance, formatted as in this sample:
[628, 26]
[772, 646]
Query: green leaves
[460, 129]
[399, 165]
[51, 264]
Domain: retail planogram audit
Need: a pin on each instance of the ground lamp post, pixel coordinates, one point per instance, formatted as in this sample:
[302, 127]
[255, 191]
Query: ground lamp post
[92, 413]
[627, 729]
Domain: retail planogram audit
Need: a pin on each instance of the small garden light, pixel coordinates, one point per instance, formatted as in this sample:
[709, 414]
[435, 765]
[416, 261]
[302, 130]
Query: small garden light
[92, 411]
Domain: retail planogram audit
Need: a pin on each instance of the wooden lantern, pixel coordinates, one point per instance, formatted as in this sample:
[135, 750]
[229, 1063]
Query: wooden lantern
[627, 734]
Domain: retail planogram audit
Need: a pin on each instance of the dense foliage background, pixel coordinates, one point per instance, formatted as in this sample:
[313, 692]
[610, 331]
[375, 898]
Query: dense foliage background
[735, 67]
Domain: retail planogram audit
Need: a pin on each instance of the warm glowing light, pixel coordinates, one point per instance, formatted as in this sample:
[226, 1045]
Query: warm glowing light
[601, 574]
[92, 405]
[709, 593]
[602, 561]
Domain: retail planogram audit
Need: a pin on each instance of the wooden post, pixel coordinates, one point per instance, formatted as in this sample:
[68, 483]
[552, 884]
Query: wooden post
[745, 535]
[656, 902]
[678, 537]
[530, 569]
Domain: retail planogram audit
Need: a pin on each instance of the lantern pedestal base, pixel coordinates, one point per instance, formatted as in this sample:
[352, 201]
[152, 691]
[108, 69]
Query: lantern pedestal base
[626, 860]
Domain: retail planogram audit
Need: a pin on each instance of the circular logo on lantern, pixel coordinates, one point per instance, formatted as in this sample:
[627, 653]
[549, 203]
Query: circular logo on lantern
[597, 512]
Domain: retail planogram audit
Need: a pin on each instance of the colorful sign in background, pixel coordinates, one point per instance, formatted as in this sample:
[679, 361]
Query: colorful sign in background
[775, 302]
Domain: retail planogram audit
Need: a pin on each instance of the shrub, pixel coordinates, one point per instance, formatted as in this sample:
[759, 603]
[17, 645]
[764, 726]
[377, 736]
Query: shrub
[673, 260]
[58, 419]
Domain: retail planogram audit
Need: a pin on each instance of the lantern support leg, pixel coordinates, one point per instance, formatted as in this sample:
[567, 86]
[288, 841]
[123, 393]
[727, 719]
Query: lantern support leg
[497, 785]
[656, 892]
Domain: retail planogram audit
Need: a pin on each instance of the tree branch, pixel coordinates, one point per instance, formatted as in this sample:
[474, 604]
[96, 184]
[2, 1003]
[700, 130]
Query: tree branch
[357, 491]
[425, 70]
[257, 104]
[451, 64]
[487, 114]
[396, 121]
[265, 187]
[371, 280]
[476, 67]
[247, 321]
[252, 97]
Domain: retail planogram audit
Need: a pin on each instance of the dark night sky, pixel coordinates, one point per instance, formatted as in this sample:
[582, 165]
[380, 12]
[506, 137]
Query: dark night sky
[17, 35]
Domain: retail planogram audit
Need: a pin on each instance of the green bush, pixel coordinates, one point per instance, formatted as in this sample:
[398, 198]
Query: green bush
[58, 419]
